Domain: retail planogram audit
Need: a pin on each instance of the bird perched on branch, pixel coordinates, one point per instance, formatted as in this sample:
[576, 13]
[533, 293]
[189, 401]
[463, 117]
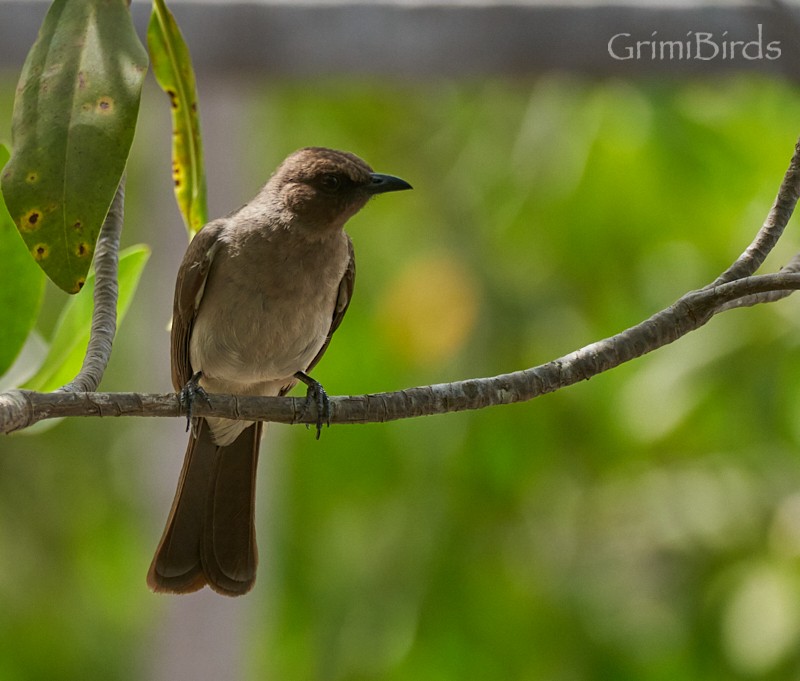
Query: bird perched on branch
[258, 296]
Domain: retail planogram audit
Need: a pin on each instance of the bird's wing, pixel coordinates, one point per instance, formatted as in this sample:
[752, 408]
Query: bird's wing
[189, 287]
[342, 302]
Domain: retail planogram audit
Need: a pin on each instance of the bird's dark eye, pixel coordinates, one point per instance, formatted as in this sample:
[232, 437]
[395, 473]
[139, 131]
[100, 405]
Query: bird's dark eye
[330, 183]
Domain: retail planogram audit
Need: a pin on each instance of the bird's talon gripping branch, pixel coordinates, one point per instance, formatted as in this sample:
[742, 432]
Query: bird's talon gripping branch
[315, 394]
[189, 393]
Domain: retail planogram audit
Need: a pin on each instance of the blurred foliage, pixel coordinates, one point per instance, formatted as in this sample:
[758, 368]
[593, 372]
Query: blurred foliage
[71, 335]
[645, 526]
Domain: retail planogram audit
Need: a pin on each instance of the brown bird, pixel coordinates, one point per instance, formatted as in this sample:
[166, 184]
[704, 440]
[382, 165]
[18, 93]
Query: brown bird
[258, 296]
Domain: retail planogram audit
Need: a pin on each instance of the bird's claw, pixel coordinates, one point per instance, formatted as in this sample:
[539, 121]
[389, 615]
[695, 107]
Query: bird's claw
[316, 395]
[189, 393]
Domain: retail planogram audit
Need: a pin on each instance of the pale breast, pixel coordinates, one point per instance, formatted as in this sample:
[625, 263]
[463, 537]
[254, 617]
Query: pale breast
[266, 308]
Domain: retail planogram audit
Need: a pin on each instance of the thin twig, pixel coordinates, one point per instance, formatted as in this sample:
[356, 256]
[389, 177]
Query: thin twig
[777, 219]
[106, 289]
[792, 266]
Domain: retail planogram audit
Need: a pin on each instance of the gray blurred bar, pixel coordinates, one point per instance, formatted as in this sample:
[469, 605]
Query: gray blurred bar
[446, 39]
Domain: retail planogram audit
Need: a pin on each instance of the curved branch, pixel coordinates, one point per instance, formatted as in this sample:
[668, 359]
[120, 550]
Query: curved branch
[772, 229]
[106, 289]
[19, 409]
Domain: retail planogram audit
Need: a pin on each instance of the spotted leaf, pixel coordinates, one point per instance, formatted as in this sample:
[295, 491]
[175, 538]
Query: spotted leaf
[21, 287]
[74, 116]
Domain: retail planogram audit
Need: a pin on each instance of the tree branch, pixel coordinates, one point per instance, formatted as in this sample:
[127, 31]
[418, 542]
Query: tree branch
[106, 289]
[793, 266]
[772, 229]
[20, 409]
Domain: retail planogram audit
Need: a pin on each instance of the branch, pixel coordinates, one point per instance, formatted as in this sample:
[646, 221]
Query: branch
[793, 266]
[772, 229]
[19, 409]
[106, 288]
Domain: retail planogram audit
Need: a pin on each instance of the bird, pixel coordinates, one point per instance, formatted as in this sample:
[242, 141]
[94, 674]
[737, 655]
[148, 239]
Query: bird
[258, 296]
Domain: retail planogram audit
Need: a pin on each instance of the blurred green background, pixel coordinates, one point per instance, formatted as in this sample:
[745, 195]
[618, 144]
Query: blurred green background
[644, 525]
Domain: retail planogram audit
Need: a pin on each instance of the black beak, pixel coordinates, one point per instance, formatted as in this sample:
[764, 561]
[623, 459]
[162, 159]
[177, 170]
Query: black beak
[386, 183]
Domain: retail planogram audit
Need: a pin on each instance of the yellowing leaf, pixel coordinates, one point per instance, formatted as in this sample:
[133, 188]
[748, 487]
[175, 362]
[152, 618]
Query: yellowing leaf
[172, 67]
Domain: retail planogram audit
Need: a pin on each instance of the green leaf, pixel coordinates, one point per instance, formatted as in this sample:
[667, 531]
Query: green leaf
[71, 335]
[172, 67]
[74, 117]
[21, 286]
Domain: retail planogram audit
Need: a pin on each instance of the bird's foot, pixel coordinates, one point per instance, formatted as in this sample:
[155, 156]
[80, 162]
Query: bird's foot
[189, 393]
[316, 395]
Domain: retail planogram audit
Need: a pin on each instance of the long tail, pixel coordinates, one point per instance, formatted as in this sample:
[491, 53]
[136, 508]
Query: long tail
[210, 533]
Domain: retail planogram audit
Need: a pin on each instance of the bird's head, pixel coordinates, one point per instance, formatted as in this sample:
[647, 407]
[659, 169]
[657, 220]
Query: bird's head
[321, 188]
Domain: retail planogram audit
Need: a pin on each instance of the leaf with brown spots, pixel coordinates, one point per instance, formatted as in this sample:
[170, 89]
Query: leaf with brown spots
[21, 287]
[172, 67]
[74, 116]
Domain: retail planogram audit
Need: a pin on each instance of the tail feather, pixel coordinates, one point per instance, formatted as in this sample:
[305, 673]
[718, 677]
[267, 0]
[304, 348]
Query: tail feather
[210, 532]
[229, 553]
